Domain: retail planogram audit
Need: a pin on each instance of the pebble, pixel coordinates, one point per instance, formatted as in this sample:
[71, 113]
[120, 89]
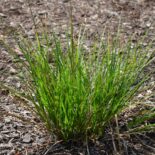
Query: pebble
[7, 120]
[3, 15]
[140, 96]
[123, 1]
[13, 24]
[3, 52]
[15, 135]
[27, 138]
[40, 140]
[111, 13]
[12, 71]
[18, 85]
[148, 24]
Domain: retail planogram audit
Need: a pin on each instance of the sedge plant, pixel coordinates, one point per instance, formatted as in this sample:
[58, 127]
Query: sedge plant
[76, 92]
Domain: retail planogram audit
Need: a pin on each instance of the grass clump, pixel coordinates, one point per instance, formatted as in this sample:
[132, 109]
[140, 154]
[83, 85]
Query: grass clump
[77, 93]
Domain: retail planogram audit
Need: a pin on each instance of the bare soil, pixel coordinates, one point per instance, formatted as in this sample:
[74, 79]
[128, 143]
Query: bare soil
[21, 132]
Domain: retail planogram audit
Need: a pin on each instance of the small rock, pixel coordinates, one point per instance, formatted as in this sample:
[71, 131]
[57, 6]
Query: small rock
[140, 1]
[12, 71]
[17, 124]
[7, 120]
[149, 92]
[3, 15]
[40, 140]
[13, 24]
[3, 52]
[15, 135]
[123, 1]
[145, 44]
[140, 96]
[30, 33]
[10, 107]
[27, 138]
[18, 84]
[111, 13]
[148, 24]
[94, 17]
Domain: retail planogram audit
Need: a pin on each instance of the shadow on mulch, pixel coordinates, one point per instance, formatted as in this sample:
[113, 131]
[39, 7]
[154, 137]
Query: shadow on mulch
[140, 144]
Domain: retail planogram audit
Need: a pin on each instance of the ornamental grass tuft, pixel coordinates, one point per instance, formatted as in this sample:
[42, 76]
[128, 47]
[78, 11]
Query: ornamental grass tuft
[77, 91]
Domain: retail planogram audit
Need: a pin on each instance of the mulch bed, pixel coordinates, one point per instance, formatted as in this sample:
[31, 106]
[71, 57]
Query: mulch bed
[21, 132]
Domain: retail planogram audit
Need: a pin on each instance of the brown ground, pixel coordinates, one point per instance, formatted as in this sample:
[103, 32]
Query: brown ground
[25, 137]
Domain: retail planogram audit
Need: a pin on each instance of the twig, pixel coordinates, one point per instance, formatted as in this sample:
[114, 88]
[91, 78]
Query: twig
[52, 146]
[150, 139]
[118, 134]
[147, 146]
[87, 145]
[113, 141]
